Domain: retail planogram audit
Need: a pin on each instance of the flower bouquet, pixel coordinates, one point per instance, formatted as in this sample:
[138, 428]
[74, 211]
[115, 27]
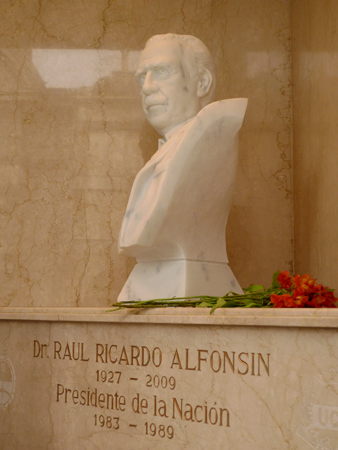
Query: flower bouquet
[298, 291]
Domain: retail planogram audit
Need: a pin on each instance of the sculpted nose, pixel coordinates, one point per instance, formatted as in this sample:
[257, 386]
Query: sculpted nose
[149, 84]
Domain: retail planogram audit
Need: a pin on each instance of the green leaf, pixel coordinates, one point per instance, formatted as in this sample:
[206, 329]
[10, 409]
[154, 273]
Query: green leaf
[231, 304]
[220, 302]
[205, 305]
[254, 288]
[275, 283]
[248, 301]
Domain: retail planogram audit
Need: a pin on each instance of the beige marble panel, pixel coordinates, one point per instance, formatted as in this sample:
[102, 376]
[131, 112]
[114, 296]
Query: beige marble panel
[147, 386]
[73, 137]
[315, 137]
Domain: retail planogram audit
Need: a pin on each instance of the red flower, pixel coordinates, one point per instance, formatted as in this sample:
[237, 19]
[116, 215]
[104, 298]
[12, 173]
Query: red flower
[305, 282]
[282, 301]
[284, 279]
[324, 299]
[299, 298]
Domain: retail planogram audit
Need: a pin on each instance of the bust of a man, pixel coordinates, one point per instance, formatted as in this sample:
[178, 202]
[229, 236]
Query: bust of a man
[176, 75]
[178, 207]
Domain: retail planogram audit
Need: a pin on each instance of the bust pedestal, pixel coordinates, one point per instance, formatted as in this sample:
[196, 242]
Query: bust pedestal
[180, 278]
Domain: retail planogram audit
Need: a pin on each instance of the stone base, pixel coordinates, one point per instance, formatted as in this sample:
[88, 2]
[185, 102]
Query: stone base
[168, 379]
[178, 278]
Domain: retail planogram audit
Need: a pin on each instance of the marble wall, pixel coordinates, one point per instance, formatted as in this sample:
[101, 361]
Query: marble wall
[315, 117]
[73, 137]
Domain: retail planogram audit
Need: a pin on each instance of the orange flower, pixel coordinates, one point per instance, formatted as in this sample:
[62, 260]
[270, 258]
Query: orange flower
[281, 301]
[299, 298]
[324, 299]
[302, 292]
[305, 282]
[284, 279]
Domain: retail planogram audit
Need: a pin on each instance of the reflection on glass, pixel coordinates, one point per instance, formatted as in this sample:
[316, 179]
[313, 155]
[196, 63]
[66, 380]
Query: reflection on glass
[69, 69]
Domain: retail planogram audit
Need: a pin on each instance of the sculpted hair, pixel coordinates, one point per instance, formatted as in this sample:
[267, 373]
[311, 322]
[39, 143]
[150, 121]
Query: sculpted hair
[197, 57]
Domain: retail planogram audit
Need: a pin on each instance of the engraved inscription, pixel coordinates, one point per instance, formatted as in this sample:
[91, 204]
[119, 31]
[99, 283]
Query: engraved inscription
[142, 389]
[163, 382]
[242, 363]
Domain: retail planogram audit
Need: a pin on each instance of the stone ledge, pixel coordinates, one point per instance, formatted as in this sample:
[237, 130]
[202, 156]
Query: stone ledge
[317, 318]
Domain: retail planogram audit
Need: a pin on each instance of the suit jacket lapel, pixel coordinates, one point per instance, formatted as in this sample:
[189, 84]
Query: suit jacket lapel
[145, 176]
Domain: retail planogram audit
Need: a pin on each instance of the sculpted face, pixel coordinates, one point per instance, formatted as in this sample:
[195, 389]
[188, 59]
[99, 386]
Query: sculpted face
[169, 92]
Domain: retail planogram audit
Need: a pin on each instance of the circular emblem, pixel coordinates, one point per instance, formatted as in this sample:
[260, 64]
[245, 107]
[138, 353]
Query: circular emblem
[7, 382]
[319, 421]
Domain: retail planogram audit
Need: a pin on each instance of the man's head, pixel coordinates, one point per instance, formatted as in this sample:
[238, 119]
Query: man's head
[176, 75]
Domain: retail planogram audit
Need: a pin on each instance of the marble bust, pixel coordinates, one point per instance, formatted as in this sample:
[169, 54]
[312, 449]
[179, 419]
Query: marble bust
[179, 204]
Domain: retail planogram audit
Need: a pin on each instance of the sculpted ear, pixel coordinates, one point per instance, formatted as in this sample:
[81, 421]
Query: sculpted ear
[204, 83]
